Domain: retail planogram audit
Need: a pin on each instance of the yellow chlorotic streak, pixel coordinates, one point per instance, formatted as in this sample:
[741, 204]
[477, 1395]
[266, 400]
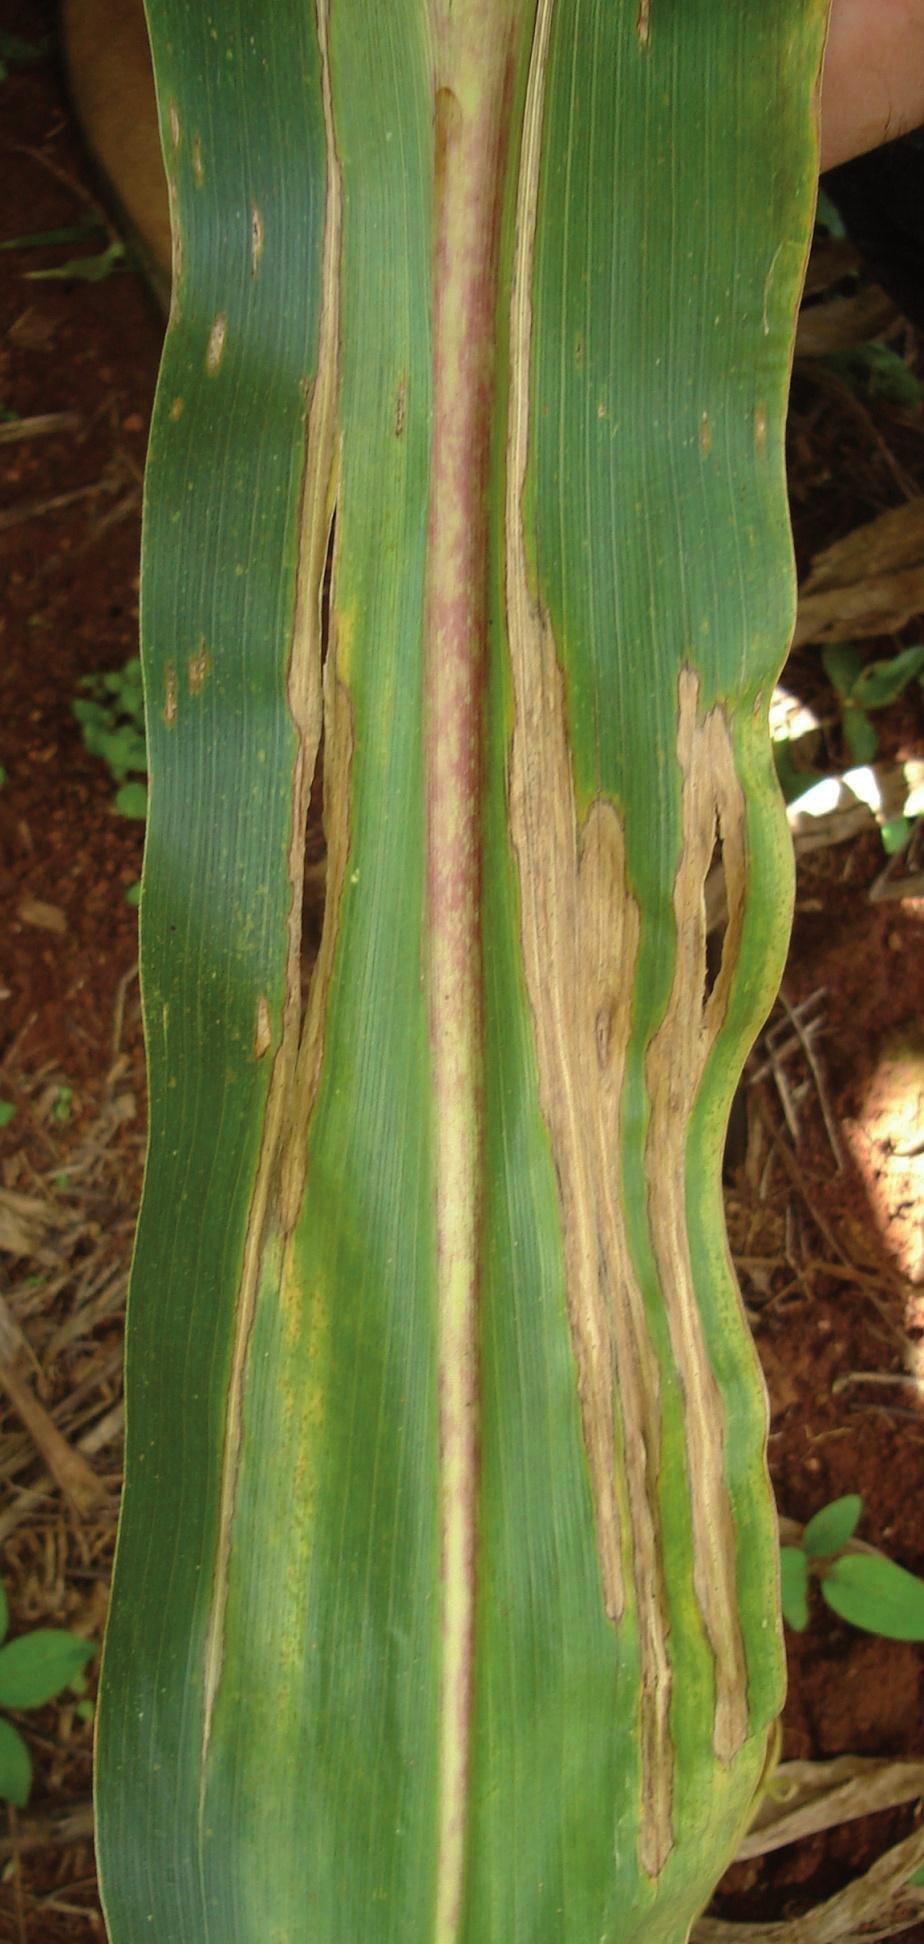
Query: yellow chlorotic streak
[473, 75]
[580, 931]
[305, 703]
[712, 805]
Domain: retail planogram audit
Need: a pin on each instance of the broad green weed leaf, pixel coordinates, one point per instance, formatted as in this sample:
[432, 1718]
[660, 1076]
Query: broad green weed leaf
[794, 1587]
[15, 1766]
[131, 800]
[877, 1595]
[34, 1668]
[828, 1532]
[895, 834]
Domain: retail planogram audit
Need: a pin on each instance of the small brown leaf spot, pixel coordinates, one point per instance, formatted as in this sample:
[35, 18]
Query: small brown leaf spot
[579, 351]
[174, 122]
[176, 409]
[601, 410]
[169, 709]
[263, 1035]
[256, 239]
[197, 668]
[705, 435]
[400, 405]
[643, 22]
[197, 168]
[760, 430]
[216, 344]
[178, 254]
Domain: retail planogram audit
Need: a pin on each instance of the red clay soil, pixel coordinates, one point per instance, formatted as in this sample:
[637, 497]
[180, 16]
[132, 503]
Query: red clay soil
[823, 1215]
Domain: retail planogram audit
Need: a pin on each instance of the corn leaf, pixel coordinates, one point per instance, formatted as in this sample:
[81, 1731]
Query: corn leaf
[446, 1601]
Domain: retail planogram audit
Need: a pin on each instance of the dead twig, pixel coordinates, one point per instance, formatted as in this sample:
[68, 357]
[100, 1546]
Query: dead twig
[19, 1907]
[55, 1828]
[68, 1468]
[118, 1011]
[880, 1904]
[35, 509]
[805, 1041]
[41, 425]
[804, 1797]
[832, 382]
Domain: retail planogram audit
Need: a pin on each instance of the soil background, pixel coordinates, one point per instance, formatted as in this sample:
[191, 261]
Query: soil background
[824, 1198]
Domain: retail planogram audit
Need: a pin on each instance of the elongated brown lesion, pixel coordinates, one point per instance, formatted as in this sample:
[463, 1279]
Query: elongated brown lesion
[713, 807]
[580, 933]
[579, 927]
[296, 1060]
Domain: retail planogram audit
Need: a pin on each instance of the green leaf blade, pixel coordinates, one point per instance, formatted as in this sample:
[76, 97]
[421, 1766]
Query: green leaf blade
[395, 1494]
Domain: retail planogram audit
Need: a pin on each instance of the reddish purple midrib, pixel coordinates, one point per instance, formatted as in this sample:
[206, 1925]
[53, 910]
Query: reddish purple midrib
[469, 158]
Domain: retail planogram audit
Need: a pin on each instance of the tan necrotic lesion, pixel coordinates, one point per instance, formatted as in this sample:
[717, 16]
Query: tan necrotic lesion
[713, 813]
[580, 926]
[579, 940]
[580, 933]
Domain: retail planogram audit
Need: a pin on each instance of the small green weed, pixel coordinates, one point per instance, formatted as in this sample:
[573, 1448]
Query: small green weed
[33, 1669]
[864, 1588]
[83, 269]
[111, 716]
[877, 372]
[7, 1110]
[88, 269]
[44, 239]
[862, 686]
[17, 52]
[63, 1105]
